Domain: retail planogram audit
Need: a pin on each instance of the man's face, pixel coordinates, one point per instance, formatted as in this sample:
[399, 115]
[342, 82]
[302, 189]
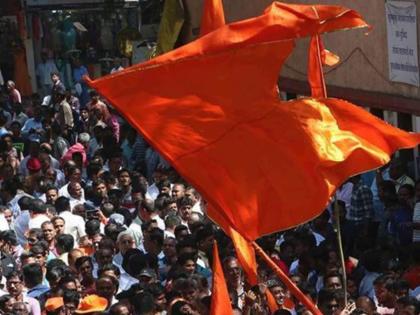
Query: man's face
[190, 194]
[96, 239]
[190, 294]
[382, 294]
[178, 191]
[86, 270]
[124, 179]
[40, 259]
[14, 286]
[330, 307]
[185, 212]
[122, 310]
[48, 231]
[105, 288]
[279, 294]
[59, 226]
[8, 215]
[76, 190]
[76, 176]
[169, 247]
[51, 196]
[333, 283]
[233, 271]
[160, 302]
[85, 114]
[104, 256]
[125, 243]
[189, 266]
[171, 208]
[165, 190]
[45, 160]
[55, 78]
[101, 190]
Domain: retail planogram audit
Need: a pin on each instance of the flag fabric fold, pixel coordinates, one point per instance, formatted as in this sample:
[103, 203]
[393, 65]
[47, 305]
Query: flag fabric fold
[220, 300]
[315, 71]
[213, 16]
[211, 109]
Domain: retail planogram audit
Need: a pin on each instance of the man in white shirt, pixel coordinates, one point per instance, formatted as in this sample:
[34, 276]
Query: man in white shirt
[37, 214]
[75, 225]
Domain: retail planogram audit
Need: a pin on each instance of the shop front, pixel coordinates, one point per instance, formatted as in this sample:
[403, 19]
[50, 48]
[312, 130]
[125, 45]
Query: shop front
[96, 35]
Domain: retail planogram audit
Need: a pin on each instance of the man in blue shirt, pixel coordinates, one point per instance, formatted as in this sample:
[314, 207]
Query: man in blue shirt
[32, 276]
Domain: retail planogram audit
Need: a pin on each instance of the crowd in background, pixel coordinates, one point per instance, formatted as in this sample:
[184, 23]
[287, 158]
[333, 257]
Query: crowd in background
[94, 221]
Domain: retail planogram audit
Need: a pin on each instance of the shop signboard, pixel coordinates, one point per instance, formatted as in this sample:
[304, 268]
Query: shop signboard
[51, 3]
[403, 63]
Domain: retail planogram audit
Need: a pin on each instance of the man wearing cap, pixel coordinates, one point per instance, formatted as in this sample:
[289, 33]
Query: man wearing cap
[34, 145]
[33, 166]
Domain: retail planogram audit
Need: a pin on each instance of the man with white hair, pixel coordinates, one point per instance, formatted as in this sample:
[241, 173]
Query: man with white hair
[125, 241]
[14, 94]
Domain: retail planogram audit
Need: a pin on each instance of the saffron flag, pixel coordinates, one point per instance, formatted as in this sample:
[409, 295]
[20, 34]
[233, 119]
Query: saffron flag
[213, 16]
[220, 301]
[211, 109]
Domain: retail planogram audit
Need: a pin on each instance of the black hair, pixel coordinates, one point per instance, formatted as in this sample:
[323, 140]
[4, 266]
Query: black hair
[156, 235]
[93, 227]
[184, 201]
[24, 202]
[71, 296]
[65, 242]
[32, 274]
[38, 206]
[108, 267]
[204, 232]
[15, 274]
[62, 204]
[81, 260]
[144, 303]
[387, 281]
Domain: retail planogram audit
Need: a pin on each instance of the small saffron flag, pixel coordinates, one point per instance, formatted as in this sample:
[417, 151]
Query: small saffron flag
[220, 301]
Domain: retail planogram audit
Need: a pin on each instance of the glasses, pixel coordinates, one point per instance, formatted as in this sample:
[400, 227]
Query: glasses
[13, 283]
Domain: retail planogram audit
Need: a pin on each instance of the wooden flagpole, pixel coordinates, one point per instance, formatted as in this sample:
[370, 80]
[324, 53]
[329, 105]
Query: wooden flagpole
[285, 279]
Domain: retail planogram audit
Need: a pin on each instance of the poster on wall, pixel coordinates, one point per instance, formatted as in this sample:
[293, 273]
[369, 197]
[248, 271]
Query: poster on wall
[401, 21]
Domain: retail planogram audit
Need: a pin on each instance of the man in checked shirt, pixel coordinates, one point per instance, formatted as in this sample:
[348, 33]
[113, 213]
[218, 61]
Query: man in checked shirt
[360, 210]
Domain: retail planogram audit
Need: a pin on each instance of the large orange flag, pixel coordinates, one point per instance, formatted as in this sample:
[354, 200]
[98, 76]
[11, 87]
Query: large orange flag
[211, 109]
[220, 301]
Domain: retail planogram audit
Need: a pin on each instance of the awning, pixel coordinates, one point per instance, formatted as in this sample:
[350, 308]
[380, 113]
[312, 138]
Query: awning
[75, 4]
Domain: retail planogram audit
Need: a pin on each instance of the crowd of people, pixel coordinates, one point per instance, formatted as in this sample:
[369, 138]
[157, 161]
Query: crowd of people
[94, 221]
